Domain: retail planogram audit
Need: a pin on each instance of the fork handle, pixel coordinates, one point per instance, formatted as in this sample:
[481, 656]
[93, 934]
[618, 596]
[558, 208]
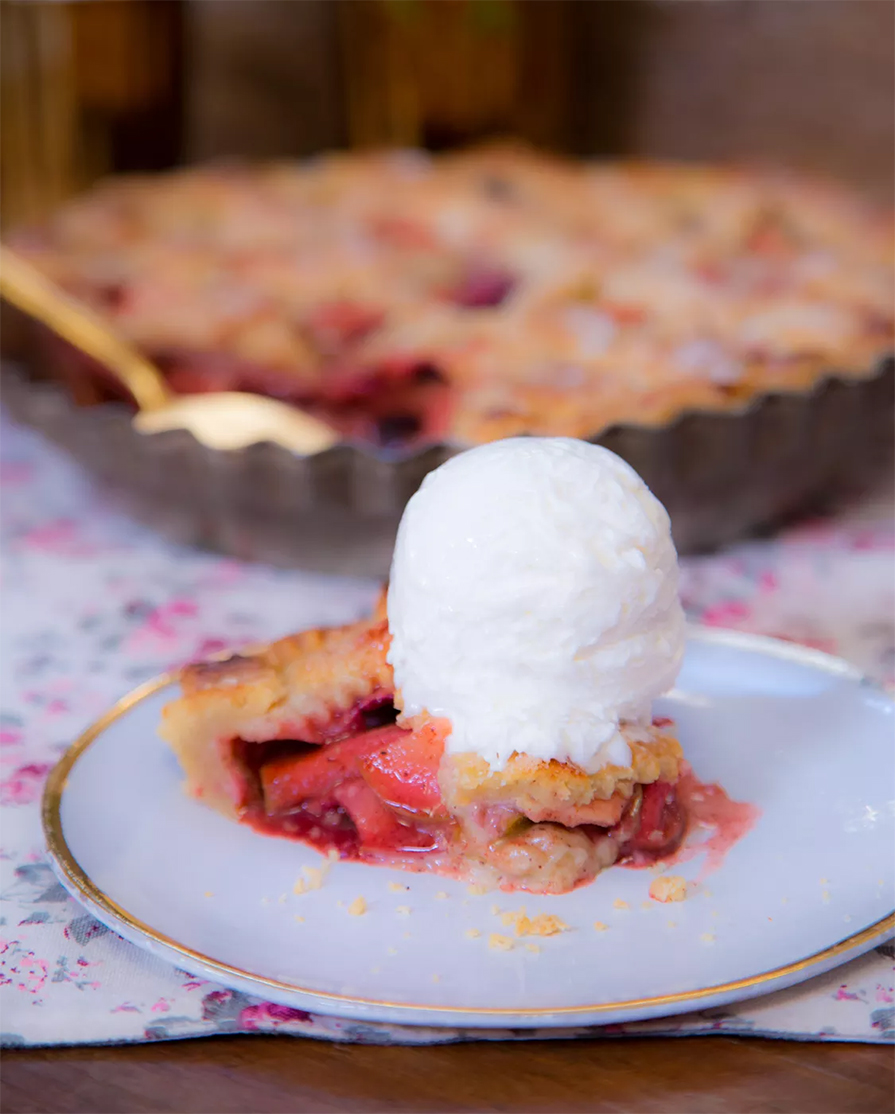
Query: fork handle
[27, 289]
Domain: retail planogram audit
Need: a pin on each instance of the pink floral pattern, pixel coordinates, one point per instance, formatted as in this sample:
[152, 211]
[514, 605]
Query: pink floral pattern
[94, 605]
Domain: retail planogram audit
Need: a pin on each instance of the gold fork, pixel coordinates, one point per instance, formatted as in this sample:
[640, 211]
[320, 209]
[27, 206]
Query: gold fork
[220, 420]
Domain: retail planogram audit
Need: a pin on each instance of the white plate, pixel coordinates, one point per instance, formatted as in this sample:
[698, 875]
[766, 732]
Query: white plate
[797, 733]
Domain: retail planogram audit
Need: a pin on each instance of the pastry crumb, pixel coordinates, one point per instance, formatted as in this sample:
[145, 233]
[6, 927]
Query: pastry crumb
[495, 910]
[824, 881]
[436, 978]
[825, 896]
[315, 876]
[646, 906]
[600, 927]
[407, 936]
[472, 933]
[707, 937]
[313, 879]
[299, 919]
[282, 899]
[544, 924]
[396, 887]
[671, 924]
[403, 910]
[209, 893]
[441, 896]
[477, 888]
[391, 951]
[619, 904]
[668, 887]
[533, 948]
[500, 943]
[358, 907]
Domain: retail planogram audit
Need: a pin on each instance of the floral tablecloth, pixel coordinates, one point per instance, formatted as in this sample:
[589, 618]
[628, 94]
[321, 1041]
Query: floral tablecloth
[93, 605]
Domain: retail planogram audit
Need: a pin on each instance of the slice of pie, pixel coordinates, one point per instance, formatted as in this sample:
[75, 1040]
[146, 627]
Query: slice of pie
[305, 740]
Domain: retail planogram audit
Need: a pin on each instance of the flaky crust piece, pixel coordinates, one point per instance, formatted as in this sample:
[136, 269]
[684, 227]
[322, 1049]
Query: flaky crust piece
[294, 689]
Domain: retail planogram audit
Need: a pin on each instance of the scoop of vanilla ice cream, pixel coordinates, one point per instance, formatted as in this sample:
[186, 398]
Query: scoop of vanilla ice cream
[533, 602]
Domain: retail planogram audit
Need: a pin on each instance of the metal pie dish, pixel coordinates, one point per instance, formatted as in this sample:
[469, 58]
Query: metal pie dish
[721, 474]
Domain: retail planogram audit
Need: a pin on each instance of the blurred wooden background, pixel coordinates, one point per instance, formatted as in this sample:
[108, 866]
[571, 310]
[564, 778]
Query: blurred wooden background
[104, 85]
[807, 83]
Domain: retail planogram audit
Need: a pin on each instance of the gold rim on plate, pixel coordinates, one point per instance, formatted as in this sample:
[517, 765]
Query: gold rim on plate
[80, 884]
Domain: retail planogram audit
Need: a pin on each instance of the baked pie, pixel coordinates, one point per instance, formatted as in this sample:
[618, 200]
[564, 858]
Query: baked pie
[411, 300]
[304, 740]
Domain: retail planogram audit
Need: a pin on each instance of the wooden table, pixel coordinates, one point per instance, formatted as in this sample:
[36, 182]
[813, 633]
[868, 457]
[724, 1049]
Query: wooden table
[267, 1075]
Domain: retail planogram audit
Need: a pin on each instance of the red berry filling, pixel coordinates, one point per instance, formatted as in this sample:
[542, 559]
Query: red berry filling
[659, 828]
[363, 784]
